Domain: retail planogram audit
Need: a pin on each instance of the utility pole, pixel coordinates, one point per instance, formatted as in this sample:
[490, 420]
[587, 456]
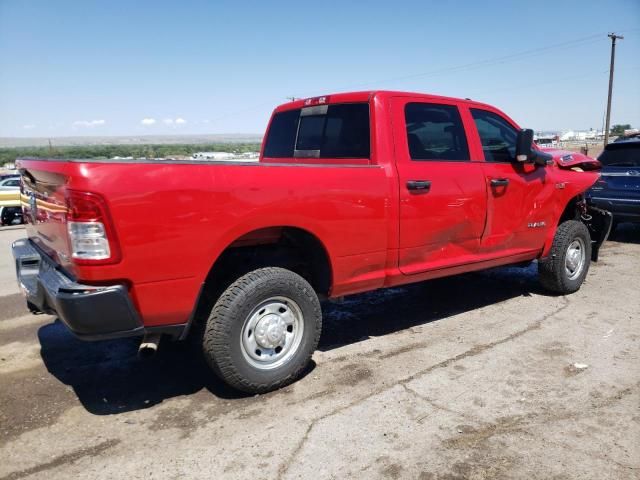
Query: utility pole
[613, 38]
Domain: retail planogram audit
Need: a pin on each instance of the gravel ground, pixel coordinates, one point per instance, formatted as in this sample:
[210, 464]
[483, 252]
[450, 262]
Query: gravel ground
[471, 377]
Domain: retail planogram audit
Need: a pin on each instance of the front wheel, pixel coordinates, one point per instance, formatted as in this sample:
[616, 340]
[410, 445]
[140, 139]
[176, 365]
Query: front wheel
[263, 329]
[566, 267]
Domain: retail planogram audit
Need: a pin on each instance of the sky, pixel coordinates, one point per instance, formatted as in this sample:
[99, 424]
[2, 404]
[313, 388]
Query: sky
[97, 68]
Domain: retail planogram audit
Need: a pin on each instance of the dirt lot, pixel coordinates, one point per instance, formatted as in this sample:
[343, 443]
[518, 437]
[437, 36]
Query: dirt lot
[593, 148]
[469, 377]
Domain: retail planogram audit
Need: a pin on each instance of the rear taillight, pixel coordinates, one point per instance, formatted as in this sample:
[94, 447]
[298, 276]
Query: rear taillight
[91, 235]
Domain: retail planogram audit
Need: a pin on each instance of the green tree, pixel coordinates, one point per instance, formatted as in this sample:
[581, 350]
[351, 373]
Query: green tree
[9, 154]
[619, 129]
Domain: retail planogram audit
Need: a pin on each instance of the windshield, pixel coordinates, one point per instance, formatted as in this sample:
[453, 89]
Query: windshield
[621, 155]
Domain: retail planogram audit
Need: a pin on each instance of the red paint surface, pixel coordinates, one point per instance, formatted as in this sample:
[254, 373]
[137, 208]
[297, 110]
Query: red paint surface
[173, 219]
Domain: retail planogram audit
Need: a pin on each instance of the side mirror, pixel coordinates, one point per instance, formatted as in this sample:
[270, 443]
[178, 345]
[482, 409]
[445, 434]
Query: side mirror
[524, 142]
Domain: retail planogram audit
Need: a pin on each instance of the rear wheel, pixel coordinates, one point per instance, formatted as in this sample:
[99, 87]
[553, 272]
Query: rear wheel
[566, 267]
[10, 216]
[263, 329]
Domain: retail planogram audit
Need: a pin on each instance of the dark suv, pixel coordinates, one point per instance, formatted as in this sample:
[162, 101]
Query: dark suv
[618, 190]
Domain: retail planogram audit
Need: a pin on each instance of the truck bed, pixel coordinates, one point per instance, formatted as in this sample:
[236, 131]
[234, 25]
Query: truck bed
[173, 218]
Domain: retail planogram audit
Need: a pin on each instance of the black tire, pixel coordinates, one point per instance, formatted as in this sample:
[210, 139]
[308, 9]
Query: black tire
[552, 270]
[222, 336]
[9, 215]
[32, 307]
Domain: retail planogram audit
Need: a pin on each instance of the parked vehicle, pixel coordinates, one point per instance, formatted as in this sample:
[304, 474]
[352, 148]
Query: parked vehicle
[618, 189]
[7, 174]
[628, 134]
[12, 181]
[10, 207]
[353, 192]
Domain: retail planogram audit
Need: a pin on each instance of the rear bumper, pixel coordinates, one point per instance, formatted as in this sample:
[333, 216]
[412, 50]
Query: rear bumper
[623, 209]
[90, 312]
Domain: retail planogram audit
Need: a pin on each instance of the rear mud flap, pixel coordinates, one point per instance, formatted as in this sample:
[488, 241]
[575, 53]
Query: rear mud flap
[598, 222]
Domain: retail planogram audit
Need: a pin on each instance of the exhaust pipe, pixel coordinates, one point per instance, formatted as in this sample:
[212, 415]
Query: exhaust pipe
[149, 345]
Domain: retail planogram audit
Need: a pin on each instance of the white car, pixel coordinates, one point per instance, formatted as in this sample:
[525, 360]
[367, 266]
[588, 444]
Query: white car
[13, 182]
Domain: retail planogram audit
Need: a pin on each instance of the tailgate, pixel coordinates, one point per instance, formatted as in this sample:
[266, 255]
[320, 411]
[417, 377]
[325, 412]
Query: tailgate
[44, 207]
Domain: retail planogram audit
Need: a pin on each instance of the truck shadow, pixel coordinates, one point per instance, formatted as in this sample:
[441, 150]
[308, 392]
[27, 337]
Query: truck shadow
[626, 233]
[108, 378]
[382, 312]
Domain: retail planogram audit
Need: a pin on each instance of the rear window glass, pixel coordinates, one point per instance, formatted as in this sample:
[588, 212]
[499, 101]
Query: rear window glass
[621, 155]
[435, 132]
[281, 139]
[333, 131]
[310, 132]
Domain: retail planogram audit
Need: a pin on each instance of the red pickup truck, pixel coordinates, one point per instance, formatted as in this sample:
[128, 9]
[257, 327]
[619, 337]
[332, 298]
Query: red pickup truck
[353, 192]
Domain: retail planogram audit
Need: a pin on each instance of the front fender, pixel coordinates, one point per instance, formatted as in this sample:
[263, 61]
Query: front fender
[570, 186]
[598, 223]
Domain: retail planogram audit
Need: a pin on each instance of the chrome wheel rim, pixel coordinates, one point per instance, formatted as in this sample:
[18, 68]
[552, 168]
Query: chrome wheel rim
[272, 333]
[575, 259]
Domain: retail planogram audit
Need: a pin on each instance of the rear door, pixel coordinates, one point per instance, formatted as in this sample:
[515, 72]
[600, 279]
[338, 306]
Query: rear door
[442, 192]
[519, 195]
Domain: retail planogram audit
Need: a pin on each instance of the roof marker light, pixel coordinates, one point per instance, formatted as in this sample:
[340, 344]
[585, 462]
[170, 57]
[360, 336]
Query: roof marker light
[317, 101]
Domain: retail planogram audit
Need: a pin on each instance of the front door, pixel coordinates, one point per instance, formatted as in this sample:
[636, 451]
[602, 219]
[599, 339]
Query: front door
[519, 194]
[442, 192]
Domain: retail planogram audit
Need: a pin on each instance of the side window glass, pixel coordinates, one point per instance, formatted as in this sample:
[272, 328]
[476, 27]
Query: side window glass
[498, 136]
[435, 132]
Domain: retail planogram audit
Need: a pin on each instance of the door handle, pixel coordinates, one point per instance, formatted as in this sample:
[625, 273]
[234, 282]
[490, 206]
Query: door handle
[419, 185]
[499, 182]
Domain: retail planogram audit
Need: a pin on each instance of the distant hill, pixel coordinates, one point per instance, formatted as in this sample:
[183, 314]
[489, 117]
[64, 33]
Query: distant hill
[10, 142]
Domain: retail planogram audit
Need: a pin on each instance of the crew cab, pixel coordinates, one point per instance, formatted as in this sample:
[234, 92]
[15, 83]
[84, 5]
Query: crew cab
[353, 192]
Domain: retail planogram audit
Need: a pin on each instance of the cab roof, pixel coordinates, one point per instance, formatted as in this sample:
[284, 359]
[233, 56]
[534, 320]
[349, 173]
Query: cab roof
[368, 95]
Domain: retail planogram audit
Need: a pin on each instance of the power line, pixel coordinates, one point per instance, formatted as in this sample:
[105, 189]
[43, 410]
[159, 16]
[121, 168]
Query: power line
[546, 82]
[485, 62]
[557, 80]
[442, 71]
